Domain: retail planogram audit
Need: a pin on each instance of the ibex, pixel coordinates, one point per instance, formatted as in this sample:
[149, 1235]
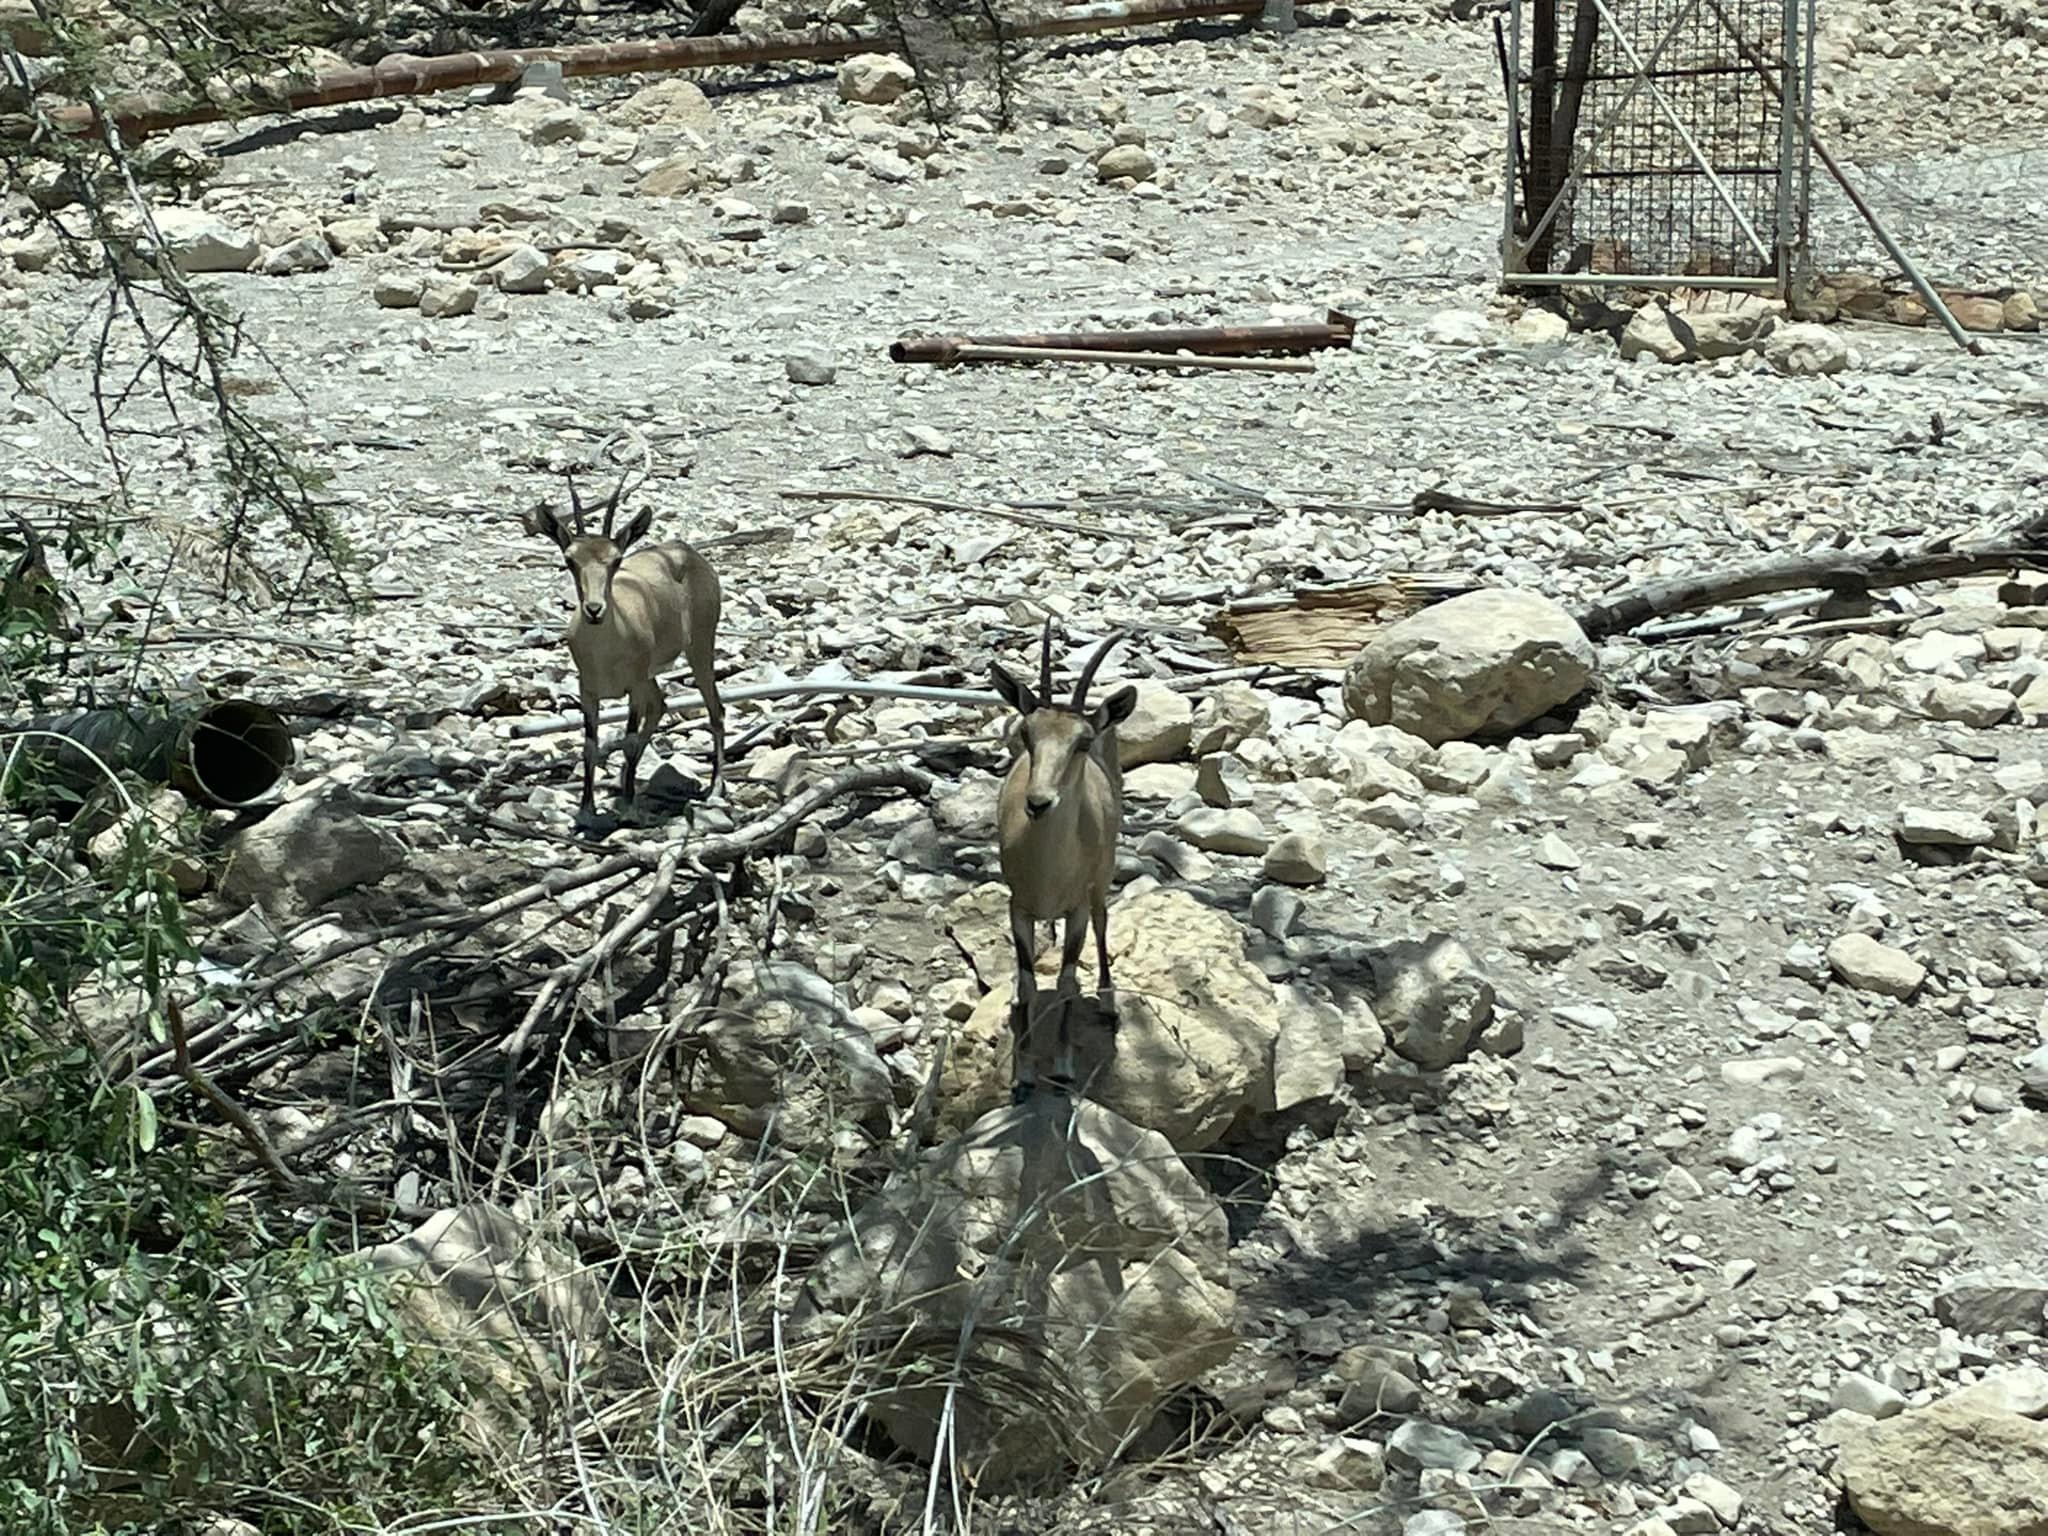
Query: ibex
[634, 615]
[1057, 817]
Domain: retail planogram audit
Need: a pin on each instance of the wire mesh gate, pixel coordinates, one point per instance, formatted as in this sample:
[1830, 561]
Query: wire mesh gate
[1664, 146]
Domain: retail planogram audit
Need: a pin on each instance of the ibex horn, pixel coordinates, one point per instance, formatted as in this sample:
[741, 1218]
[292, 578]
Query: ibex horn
[1088, 672]
[575, 502]
[611, 506]
[1045, 664]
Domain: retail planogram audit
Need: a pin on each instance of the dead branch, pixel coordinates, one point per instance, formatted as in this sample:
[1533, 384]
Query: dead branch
[243, 1124]
[1850, 571]
[571, 975]
[717, 853]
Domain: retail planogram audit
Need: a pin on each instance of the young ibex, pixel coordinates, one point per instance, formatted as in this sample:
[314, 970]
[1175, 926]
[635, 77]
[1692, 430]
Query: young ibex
[1057, 818]
[634, 615]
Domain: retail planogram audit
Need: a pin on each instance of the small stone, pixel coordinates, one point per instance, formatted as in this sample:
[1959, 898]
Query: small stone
[1553, 852]
[1862, 1394]
[523, 269]
[919, 439]
[1223, 781]
[1214, 831]
[1762, 1071]
[1615, 1453]
[1125, 161]
[1973, 704]
[1925, 827]
[1538, 327]
[2022, 312]
[1157, 729]
[398, 290]
[1723, 1500]
[446, 298]
[1348, 1465]
[308, 253]
[874, 79]
[1649, 333]
[1539, 933]
[810, 363]
[1870, 966]
[199, 241]
[561, 125]
[1804, 350]
[1418, 1445]
[1297, 858]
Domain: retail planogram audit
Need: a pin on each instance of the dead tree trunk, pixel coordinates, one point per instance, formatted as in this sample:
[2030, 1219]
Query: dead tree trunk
[2024, 547]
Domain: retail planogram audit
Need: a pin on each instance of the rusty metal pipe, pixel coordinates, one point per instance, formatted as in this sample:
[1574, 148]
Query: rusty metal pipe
[1204, 340]
[404, 75]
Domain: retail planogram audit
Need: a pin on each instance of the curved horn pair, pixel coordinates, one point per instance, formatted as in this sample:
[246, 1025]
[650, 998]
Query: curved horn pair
[611, 506]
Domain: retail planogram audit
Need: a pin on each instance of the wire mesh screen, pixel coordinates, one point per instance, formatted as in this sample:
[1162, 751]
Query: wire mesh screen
[1651, 137]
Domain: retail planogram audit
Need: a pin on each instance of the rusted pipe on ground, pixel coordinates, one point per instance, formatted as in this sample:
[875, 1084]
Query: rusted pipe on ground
[1205, 340]
[406, 75]
[972, 352]
[223, 753]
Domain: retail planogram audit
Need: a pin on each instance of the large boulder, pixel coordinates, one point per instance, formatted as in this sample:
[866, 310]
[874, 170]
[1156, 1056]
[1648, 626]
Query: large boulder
[785, 1058]
[1481, 664]
[1193, 1042]
[1060, 1264]
[1968, 1465]
[309, 849]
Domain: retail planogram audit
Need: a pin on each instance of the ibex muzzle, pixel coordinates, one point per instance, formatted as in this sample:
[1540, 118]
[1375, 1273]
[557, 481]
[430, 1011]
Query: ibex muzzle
[1058, 814]
[634, 614]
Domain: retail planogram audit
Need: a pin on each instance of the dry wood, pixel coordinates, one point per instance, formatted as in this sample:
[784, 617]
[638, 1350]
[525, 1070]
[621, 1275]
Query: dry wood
[996, 354]
[449, 928]
[1327, 626]
[1851, 571]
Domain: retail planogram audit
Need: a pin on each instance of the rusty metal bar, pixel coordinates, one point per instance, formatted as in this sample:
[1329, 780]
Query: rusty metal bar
[400, 75]
[1118, 357]
[1203, 340]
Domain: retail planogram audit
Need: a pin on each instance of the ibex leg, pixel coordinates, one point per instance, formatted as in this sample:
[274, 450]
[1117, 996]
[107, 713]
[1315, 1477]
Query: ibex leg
[1069, 985]
[589, 806]
[1024, 937]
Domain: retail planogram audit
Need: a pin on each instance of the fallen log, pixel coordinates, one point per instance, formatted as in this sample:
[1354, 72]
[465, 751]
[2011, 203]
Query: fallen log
[1206, 340]
[408, 75]
[1851, 572]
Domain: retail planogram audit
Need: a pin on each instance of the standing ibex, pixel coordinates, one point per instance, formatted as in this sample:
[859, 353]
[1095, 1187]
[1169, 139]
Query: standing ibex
[634, 615]
[1057, 818]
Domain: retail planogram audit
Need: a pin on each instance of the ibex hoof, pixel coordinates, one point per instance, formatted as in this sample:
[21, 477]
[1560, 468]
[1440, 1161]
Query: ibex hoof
[1021, 1092]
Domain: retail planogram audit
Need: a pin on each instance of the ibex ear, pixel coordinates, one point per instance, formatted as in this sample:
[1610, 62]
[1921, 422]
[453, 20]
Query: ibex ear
[1015, 694]
[637, 529]
[1116, 709]
[542, 520]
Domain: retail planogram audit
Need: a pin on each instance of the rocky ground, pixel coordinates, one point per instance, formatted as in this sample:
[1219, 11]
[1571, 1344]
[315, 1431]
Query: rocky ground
[1706, 1161]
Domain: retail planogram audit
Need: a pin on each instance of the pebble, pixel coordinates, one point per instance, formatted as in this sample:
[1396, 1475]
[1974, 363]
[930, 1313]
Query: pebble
[1214, 831]
[1296, 858]
[1870, 966]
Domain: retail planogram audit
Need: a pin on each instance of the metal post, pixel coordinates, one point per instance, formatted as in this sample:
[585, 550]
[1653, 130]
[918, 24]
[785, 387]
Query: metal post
[1788, 148]
[1510, 252]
